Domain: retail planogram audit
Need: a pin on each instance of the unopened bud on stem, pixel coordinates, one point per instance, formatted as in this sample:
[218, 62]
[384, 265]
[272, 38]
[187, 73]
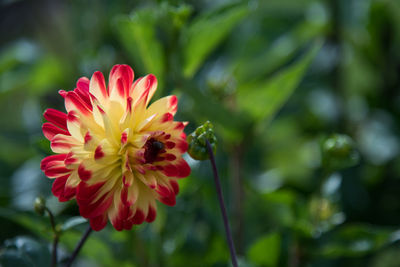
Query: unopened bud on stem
[40, 205]
[197, 141]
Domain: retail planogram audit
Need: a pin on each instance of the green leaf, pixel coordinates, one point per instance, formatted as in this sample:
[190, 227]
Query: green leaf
[138, 35]
[265, 250]
[205, 33]
[263, 99]
[28, 220]
[72, 222]
[263, 62]
[46, 74]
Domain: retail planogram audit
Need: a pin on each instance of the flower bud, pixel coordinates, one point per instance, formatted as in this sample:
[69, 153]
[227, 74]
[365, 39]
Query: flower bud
[40, 205]
[339, 152]
[197, 141]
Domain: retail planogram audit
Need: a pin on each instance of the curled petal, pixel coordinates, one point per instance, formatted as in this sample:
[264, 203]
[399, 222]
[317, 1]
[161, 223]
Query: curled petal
[99, 222]
[91, 204]
[59, 158]
[83, 84]
[63, 143]
[61, 190]
[121, 78]
[49, 130]
[97, 87]
[144, 89]
[56, 117]
[151, 215]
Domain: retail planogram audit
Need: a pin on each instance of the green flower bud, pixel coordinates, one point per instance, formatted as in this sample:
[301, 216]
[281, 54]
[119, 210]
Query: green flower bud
[339, 152]
[40, 205]
[197, 141]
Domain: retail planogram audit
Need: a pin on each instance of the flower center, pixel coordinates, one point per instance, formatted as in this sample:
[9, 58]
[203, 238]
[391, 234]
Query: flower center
[151, 150]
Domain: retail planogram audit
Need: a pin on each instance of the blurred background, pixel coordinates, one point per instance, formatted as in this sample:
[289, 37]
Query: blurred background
[304, 97]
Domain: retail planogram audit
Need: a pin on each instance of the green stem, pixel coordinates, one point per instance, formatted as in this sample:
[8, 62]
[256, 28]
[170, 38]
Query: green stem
[56, 238]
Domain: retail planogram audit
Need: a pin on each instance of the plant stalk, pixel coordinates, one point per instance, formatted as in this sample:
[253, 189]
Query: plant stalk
[79, 246]
[235, 162]
[222, 206]
[56, 238]
[54, 252]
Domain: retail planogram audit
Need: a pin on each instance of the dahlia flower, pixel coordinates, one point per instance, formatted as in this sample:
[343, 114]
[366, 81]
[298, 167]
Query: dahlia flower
[115, 153]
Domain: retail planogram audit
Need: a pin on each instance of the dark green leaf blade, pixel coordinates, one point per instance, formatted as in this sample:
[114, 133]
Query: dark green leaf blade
[263, 99]
[204, 35]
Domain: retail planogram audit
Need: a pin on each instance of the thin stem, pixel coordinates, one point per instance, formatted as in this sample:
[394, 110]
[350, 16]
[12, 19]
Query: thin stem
[52, 221]
[79, 246]
[222, 206]
[56, 238]
[54, 253]
[235, 162]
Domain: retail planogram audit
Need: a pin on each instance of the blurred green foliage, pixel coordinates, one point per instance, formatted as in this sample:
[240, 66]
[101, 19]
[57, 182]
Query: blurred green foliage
[295, 89]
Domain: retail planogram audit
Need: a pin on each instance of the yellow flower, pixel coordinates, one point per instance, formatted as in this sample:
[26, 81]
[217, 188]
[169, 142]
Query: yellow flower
[116, 154]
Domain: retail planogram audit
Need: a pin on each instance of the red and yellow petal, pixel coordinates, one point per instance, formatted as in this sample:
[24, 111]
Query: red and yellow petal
[143, 88]
[168, 104]
[116, 154]
[56, 117]
[121, 78]
[50, 130]
[97, 88]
